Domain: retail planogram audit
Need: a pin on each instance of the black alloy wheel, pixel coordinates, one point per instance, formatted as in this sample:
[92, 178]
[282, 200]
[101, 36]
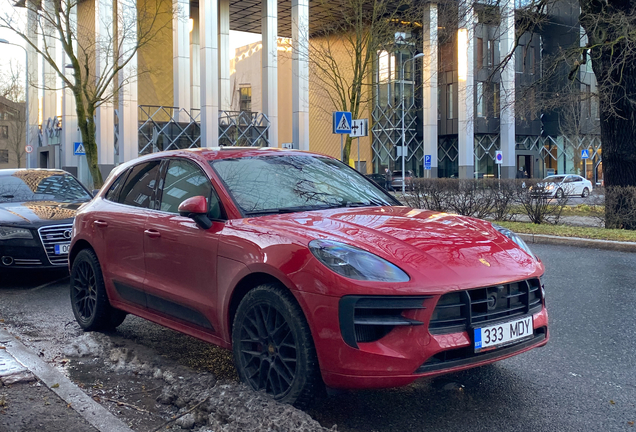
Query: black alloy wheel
[273, 348]
[89, 300]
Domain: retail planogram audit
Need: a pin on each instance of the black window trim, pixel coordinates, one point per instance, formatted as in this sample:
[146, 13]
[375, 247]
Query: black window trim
[124, 177]
[163, 169]
[154, 189]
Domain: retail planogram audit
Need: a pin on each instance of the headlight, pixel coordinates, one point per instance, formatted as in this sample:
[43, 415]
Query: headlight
[549, 187]
[515, 238]
[354, 263]
[9, 233]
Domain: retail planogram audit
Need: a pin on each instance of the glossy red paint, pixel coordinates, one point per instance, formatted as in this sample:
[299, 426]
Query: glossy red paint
[167, 257]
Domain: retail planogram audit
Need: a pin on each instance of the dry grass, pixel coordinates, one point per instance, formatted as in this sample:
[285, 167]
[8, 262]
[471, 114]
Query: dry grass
[571, 231]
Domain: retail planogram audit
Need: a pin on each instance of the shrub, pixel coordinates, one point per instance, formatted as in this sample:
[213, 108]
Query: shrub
[620, 207]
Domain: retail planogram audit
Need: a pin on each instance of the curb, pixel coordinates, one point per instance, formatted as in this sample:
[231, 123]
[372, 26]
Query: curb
[579, 242]
[95, 414]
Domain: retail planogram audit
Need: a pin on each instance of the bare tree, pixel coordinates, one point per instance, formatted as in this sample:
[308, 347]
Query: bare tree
[16, 141]
[131, 26]
[12, 82]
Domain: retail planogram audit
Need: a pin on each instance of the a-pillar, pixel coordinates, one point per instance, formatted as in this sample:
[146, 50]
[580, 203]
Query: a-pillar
[507, 91]
[105, 115]
[269, 30]
[300, 74]
[225, 95]
[128, 105]
[208, 40]
[429, 86]
[181, 57]
[33, 69]
[70, 133]
[466, 97]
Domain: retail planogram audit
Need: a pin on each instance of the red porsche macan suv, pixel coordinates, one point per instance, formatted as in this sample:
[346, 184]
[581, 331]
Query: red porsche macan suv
[307, 270]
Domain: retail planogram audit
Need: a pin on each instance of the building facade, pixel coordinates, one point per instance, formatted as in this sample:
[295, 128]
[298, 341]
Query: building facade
[458, 105]
[12, 134]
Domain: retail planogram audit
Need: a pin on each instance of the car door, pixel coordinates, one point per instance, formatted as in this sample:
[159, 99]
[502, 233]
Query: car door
[181, 277]
[119, 224]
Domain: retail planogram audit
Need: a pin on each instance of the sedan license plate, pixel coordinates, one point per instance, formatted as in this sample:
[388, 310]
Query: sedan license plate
[62, 248]
[506, 333]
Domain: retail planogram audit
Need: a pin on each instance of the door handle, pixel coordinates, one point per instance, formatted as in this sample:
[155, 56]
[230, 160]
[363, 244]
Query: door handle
[152, 233]
[101, 223]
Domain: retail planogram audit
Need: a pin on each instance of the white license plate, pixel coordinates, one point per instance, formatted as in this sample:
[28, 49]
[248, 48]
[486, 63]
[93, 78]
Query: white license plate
[500, 334]
[62, 249]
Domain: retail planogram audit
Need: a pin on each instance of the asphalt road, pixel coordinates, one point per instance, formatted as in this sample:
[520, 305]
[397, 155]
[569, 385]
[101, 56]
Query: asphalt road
[583, 380]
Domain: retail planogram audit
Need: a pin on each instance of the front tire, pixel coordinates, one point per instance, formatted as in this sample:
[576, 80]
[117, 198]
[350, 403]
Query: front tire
[559, 194]
[89, 300]
[273, 348]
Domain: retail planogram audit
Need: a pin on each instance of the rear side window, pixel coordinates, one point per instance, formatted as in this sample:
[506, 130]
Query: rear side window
[115, 188]
[138, 189]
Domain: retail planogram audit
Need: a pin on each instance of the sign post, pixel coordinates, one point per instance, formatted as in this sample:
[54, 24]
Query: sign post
[341, 125]
[359, 128]
[585, 155]
[499, 161]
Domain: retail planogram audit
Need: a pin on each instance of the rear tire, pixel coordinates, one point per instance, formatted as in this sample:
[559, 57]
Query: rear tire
[89, 300]
[585, 193]
[273, 348]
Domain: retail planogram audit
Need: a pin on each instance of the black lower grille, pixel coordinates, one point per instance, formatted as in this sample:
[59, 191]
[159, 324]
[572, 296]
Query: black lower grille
[467, 355]
[370, 318]
[457, 311]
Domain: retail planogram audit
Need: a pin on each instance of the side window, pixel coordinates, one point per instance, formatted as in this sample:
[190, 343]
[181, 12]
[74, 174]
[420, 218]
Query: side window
[140, 184]
[185, 180]
[115, 188]
[569, 179]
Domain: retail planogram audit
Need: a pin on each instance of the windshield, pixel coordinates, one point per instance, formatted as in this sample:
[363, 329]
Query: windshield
[554, 179]
[41, 185]
[278, 184]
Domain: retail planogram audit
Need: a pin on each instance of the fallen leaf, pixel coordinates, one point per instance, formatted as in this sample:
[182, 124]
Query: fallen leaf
[2, 347]
[631, 423]
[96, 399]
[1, 320]
[55, 386]
[68, 406]
[612, 402]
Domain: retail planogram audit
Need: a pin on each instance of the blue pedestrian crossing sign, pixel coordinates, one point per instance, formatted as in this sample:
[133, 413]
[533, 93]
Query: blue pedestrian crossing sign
[427, 162]
[342, 122]
[78, 149]
[585, 154]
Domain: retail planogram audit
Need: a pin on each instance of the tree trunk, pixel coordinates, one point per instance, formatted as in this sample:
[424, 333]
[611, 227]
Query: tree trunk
[86, 125]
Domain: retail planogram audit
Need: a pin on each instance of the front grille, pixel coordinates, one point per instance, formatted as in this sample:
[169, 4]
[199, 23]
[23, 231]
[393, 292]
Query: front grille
[26, 262]
[457, 311]
[52, 235]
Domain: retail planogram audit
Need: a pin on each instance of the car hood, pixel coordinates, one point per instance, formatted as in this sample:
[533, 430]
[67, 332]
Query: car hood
[445, 249]
[37, 213]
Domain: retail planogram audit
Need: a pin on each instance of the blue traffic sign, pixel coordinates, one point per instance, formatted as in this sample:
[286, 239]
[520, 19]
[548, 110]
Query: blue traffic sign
[585, 154]
[427, 162]
[342, 122]
[78, 149]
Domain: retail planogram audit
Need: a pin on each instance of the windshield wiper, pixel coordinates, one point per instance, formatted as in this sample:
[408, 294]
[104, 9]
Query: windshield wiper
[284, 210]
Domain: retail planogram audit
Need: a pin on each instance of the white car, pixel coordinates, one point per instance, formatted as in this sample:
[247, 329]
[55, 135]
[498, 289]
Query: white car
[558, 186]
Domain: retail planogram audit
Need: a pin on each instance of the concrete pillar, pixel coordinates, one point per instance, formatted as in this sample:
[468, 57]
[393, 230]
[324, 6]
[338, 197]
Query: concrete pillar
[195, 63]
[181, 57]
[429, 86]
[33, 69]
[225, 88]
[105, 116]
[128, 105]
[507, 90]
[208, 40]
[466, 96]
[300, 74]
[269, 30]
[70, 133]
[49, 101]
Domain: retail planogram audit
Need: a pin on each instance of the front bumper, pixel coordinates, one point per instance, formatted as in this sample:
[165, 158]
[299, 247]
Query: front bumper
[406, 353]
[25, 254]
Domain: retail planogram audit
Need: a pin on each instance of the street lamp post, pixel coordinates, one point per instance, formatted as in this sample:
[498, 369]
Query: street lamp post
[403, 115]
[26, 92]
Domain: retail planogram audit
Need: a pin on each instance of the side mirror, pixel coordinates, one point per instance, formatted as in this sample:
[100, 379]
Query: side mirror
[196, 208]
[94, 192]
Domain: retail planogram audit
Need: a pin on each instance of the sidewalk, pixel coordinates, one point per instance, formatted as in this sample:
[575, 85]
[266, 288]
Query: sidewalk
[37, 397]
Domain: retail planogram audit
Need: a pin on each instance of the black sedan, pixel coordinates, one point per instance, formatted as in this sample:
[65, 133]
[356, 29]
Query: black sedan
[37, 208]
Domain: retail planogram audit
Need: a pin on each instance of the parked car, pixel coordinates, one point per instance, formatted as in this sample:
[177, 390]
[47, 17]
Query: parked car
[397, 180]
[306, 270]
[378, 178]
[558, 186]
[37, 207]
